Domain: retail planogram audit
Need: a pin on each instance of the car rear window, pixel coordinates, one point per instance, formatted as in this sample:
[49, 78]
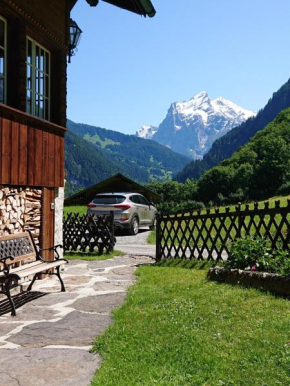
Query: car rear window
[108, 200]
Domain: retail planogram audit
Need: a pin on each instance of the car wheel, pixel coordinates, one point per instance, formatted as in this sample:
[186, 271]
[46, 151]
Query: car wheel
[153, 225]
[134, 226]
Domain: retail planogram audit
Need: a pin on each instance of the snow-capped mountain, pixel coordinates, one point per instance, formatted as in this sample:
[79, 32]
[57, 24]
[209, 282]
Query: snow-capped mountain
[146, 132]
[191, 127]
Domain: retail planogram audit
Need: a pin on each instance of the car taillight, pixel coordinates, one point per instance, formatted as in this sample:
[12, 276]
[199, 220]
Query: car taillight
[122, 206]
[91, 205]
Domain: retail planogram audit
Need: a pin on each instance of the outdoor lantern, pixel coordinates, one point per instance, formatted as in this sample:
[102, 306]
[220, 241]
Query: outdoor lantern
[74, 38]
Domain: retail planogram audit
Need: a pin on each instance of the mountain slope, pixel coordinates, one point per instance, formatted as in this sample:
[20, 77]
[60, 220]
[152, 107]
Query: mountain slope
[85, 164]
[191, 127]
[93, 153]
[225, 146]
[261, 168]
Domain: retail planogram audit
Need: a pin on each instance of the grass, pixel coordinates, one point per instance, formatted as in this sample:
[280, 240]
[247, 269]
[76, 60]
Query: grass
[92, 256]
[81, 209]
[178, 329]
[151, 239]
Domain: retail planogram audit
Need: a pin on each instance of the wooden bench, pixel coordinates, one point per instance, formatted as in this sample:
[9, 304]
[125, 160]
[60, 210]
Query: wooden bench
[20, 259]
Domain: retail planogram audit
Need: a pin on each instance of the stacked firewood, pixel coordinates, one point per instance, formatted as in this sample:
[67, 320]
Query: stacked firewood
[20, 210]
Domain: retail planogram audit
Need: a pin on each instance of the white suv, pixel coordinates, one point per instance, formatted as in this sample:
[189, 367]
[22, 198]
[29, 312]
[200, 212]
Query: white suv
[131, 210]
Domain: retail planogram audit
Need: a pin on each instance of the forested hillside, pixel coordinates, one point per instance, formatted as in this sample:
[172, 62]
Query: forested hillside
[84, 164]
[259, 169]
[224, 147]
[93, 154]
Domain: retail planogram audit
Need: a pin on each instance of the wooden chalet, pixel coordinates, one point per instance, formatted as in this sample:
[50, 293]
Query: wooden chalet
[34, 47]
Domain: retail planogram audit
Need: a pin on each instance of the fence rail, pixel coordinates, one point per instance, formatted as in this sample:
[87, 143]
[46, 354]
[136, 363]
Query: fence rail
[88, 233]
[208, 236]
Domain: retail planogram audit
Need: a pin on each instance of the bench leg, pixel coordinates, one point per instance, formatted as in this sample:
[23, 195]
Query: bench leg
[57, 273]
[13, 311]
[32, 282]
[7, 293]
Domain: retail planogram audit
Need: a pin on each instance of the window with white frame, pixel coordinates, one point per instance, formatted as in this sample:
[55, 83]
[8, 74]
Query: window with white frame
[37, 80]
[3, 49]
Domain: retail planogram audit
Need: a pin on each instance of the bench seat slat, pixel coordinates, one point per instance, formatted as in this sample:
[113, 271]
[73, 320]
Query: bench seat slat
[35, 267]
[38, 268]
[21, 267]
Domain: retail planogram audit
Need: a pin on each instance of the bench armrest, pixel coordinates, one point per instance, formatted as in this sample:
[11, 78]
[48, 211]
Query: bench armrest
[54, 248]
[5, 268]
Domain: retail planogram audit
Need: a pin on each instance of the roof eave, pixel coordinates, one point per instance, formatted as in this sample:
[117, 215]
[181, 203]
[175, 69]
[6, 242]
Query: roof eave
[141, 7]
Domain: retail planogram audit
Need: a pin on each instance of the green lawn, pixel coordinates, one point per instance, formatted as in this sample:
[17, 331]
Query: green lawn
[178, 329]
[91, 256]
[81, 209]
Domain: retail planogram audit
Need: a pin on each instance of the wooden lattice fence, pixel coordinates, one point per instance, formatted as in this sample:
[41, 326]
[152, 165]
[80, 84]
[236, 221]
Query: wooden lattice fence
[87, 233]
[208, 236]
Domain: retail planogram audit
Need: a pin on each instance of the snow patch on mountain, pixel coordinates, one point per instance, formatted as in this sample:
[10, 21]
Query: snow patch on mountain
[146, 132]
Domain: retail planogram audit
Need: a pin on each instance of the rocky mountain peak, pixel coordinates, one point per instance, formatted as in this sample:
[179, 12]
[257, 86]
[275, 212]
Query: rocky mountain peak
[191, 127]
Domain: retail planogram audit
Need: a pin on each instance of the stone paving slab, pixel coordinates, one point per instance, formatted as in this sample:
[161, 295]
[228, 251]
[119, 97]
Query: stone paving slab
[42, 367]
[48, 342]
[75, 329]
[101, 304]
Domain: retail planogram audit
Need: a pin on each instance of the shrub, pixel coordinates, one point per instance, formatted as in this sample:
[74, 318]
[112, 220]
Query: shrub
[255, 253]
[245, 252]
[171, 207]
[238, 196]
[284, 189]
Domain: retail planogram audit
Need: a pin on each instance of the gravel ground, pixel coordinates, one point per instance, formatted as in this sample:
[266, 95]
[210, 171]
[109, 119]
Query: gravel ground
[140, 238]
[135, 245]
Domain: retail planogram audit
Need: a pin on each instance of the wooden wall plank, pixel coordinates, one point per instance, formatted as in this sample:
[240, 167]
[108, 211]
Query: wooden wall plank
[57, 161]
[61, 159]
[31, 156]
[23, 156]
[45, 159]
[6, 151]
[39, 157]
[51, 156]
[15, 154]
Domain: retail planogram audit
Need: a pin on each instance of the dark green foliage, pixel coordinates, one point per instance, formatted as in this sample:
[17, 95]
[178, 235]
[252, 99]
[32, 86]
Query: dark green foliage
[284, 189]
[176, 197]
[246, 252]
[255, 253]
[225, 146]
[260, 169]
[93, 154]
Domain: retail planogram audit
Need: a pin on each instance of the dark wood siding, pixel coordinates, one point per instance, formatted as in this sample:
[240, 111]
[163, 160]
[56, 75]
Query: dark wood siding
[31, 150]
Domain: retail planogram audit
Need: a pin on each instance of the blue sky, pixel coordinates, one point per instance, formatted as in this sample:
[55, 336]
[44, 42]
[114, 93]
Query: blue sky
[129, 69]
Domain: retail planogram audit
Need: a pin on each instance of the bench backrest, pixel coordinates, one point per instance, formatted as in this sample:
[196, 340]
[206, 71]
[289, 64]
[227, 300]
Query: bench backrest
[19, 245]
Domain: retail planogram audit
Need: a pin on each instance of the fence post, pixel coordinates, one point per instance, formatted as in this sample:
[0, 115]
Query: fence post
[112, 237]
[239, 220]
[158, 245]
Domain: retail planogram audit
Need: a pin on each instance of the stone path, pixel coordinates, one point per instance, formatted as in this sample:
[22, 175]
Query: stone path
[48, 342]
